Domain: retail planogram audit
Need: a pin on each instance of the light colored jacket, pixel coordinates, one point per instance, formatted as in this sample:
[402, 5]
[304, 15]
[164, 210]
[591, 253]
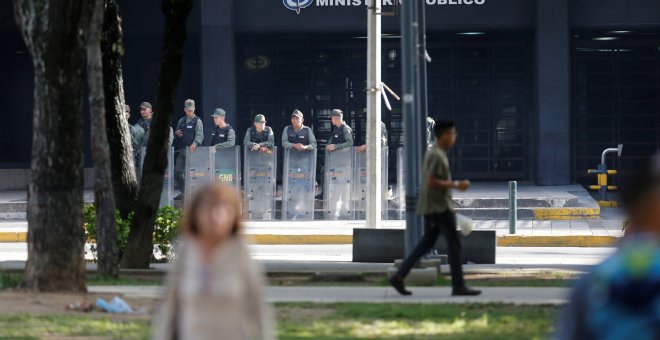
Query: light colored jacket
[222, 300]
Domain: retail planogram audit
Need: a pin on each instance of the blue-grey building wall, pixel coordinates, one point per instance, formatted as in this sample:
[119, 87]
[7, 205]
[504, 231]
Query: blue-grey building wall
[210, 76]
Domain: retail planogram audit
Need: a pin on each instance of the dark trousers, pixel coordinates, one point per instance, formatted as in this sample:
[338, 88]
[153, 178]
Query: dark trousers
[436, 224]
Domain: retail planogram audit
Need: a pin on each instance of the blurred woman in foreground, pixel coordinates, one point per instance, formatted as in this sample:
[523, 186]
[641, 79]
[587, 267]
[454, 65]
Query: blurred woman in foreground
[215, 290]
[620, 298]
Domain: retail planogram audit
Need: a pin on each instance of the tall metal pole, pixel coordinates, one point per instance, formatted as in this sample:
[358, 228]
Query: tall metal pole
[374, 88]
[421, 65]
[411, 118]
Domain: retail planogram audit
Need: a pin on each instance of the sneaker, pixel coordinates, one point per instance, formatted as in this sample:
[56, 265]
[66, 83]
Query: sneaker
[465, 291]
[397, 283]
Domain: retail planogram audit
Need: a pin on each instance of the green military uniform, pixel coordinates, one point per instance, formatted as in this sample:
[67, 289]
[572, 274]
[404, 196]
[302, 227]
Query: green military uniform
[383, 135]
[304, 135]
[341, 136]
[193, 133]
[145, 140]
[265, 138]
[137, 136]
[224, 137]
[288, 145]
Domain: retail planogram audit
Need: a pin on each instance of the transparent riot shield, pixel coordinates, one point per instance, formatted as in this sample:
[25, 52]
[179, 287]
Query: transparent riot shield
[360, 187]
[260, 180]
[401, 183]
[168, 180]
[338, 186]
[299, 180]
[227, 166]
[199, 168]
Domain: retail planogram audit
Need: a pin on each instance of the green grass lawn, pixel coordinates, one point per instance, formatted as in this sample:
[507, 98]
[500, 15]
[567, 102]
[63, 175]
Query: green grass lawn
[73, 325]
[399, 321]
[328, 321]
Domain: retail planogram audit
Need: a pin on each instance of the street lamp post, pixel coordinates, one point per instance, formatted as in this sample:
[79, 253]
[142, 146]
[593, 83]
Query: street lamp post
[413, 109]
[374, 89]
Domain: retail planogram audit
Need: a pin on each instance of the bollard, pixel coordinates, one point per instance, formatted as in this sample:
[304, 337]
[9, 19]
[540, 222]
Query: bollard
[513, 206]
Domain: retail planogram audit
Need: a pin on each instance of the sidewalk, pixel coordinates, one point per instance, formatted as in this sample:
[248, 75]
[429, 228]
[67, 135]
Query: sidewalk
[430, 295]
[530, 233]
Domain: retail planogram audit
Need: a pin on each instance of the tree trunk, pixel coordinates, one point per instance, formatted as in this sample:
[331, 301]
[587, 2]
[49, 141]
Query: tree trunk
[106, 236]
[124, 179]
[140, 241]
[53, 36]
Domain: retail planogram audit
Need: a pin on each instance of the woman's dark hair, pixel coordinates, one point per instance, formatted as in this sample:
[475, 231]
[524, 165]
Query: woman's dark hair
[218, 194]
[442, 126]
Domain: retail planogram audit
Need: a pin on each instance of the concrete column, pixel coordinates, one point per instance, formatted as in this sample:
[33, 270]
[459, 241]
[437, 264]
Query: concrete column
[217, 61]
[553, 71]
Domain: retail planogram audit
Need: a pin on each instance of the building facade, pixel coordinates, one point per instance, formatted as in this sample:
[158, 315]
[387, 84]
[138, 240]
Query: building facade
[538, 88]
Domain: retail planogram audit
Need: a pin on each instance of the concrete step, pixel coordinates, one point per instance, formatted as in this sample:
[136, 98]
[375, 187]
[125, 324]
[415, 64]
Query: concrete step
[501, 202]
[13, 207]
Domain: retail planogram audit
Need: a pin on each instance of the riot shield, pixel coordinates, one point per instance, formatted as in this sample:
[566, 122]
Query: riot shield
[199, 168]
[260, 180]
[401, 183]
[338, 185]
[226, 166]
[360, 187]
[299, 180]
[167, 194]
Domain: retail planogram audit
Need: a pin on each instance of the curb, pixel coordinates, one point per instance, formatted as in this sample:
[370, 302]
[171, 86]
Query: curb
[566, 213]
[502, 240]
[556, 241]
[13, 237]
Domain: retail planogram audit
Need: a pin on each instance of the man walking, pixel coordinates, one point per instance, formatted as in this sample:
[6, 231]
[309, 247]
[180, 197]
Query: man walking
[189, 134]
[223, 135]
[259, 137]
[298, 136]
[342, 135]
[436, 205]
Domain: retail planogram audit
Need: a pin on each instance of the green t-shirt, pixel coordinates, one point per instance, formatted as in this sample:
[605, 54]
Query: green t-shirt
[431, 200]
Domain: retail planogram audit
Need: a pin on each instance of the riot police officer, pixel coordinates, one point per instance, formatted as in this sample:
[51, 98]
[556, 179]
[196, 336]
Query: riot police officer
[259, 137]
[342, 135]
[146, 111]
[137, 134]
[189, 135]
[383, 139]
[223, 135]
[298, 136]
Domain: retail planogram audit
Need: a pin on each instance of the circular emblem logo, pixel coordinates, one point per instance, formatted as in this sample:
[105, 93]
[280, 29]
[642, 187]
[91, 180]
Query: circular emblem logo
[257, 62]
[296, 5]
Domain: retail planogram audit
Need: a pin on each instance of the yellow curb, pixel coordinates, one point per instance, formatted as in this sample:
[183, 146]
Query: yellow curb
[608, 204]
[502, 241]
[556, 241]
[13, 237]
[566, 213]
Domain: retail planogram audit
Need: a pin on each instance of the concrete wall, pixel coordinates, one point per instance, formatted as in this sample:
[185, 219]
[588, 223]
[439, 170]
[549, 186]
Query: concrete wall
[143, 35]
[274, 17]
[18, 179]
[209, 62]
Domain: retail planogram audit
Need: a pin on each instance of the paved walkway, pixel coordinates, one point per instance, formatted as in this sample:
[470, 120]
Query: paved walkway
[435, 295]
[609, 226]
[335, 259]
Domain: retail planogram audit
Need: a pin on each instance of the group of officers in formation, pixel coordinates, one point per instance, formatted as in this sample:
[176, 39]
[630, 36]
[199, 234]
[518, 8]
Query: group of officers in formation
[189, 134]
